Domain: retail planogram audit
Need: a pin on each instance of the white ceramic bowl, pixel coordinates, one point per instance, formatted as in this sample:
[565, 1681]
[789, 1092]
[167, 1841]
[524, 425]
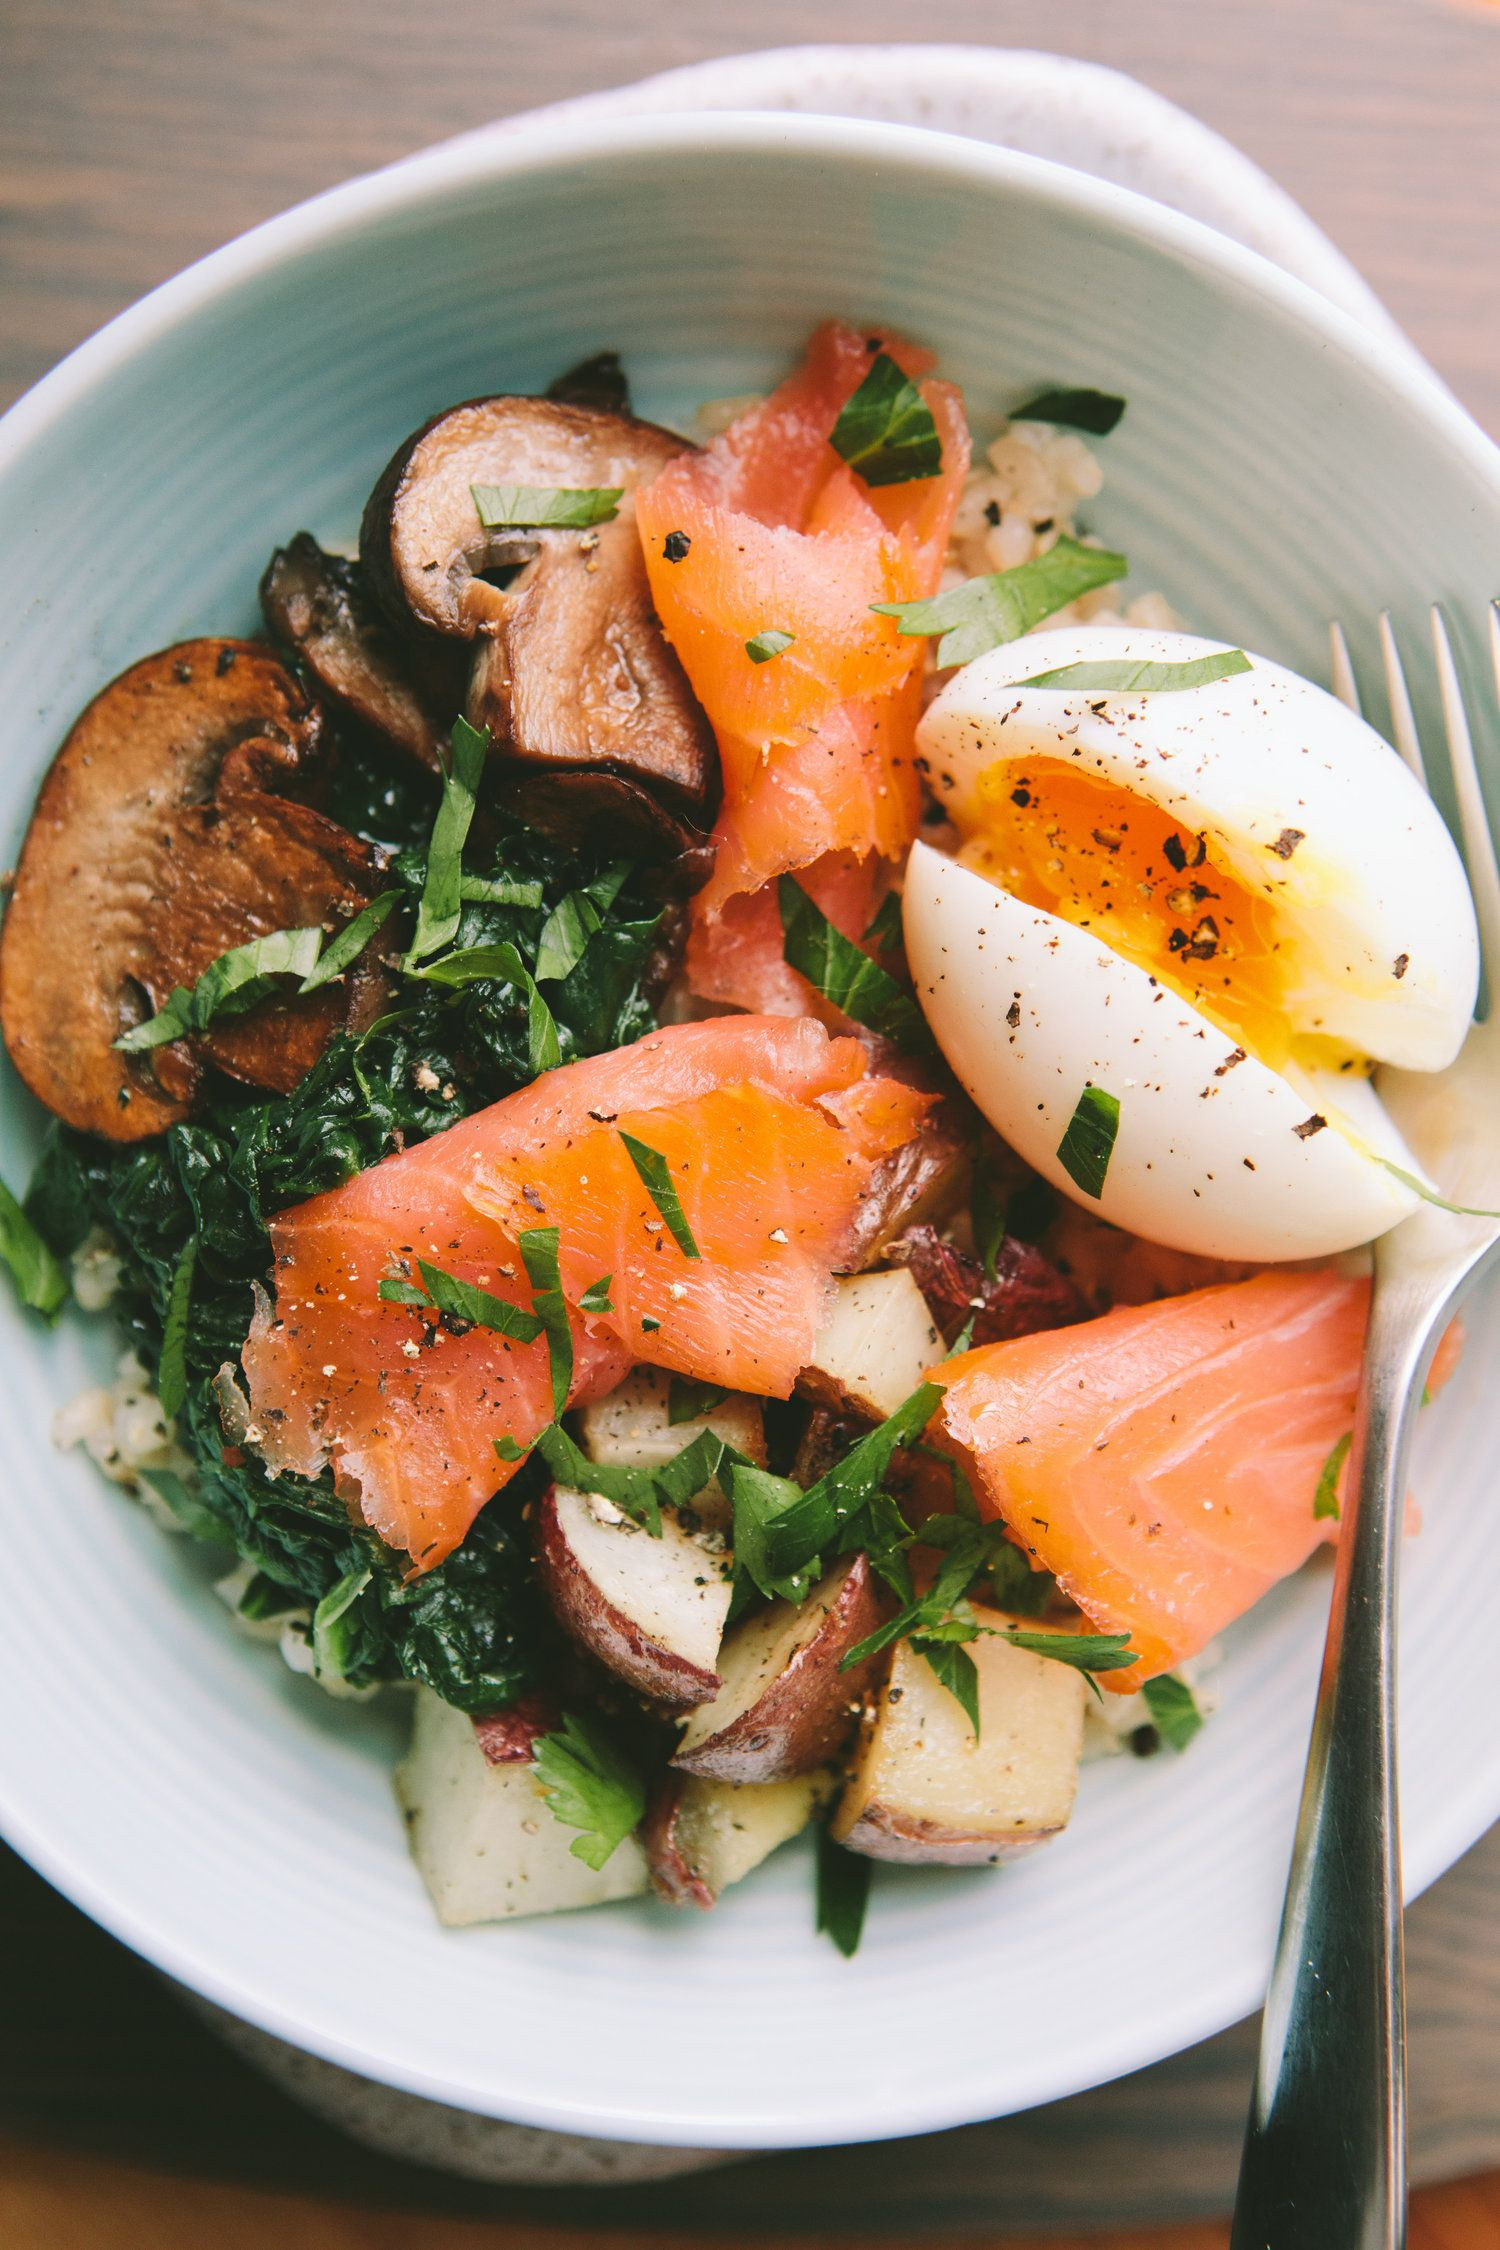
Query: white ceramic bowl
[1277, 464]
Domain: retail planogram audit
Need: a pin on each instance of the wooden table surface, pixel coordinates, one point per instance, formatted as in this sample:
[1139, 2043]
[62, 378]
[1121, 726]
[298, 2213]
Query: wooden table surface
[134, 137]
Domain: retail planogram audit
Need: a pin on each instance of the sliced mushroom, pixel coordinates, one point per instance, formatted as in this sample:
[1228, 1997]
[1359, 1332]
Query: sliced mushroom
[317, 604]
[599, 380]
[584, 700]
[161, 838]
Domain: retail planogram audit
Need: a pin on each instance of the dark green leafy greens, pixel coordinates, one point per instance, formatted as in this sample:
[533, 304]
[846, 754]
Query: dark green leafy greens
[590, 1785]
[886, 432]
[984, 613]
[1098, 412]
[1089, 1140]
[835, 966]
[40, 1279]
[171, 1371]
[843, 1893]
[545, 506]
[1144, 679]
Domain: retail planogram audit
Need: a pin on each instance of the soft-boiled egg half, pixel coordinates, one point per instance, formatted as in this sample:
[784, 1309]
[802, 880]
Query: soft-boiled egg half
[1219, 906]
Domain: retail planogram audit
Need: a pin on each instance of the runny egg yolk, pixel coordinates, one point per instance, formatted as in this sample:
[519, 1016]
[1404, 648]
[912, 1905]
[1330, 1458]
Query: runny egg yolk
[1096, 856]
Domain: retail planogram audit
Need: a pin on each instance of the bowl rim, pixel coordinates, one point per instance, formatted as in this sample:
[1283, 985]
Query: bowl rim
[493, 155]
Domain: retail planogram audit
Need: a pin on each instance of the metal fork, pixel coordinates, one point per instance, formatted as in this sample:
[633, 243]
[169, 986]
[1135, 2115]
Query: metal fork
[1324, 2165]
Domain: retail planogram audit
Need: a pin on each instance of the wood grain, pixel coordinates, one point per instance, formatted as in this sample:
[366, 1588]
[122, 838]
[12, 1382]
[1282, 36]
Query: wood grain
[134, 138]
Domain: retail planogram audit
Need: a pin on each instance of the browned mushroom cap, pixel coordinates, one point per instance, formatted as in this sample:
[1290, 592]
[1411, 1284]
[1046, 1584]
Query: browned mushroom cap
[161, 838]
[574, 677]
[317, 604]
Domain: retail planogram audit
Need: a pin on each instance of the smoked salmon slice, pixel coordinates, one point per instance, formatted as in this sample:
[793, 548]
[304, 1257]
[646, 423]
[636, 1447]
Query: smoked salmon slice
[1163, 1461]
[771, 1133]
[769, 530]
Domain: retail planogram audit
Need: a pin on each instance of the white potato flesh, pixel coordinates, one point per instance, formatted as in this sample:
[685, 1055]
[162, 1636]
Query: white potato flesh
[719, 1830]
[924, 1789]
[784, 1704]
[632, 1429]
[875, 1346]
[484, 1840]
[674, 1590]
[1380, 949]
[1214, 1153]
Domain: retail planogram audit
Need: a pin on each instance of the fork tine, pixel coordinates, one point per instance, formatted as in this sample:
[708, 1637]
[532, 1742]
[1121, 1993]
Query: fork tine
[1403, 725]
[1473, 821]
[1345, 685]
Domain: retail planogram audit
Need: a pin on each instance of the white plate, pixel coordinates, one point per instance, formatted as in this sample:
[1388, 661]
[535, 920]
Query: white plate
[1276, 463]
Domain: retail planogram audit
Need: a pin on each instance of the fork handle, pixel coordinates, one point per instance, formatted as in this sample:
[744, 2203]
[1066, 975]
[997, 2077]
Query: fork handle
[1324, 2165]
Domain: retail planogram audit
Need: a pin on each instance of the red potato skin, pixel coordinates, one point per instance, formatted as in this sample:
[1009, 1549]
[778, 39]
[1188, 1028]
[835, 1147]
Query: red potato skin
[878, 1834]
[809, 1710]
[605, 1631]
[672, 1879]
[509, 1737]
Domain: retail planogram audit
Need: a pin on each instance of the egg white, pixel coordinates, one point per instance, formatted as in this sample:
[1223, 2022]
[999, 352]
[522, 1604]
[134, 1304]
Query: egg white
[1214, 1152]
[1381, 952]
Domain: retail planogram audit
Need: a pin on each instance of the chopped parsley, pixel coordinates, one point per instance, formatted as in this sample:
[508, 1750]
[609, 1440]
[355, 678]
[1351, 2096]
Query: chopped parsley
[1420, 1186]
[1088, 1143]
[501, 963]
[1174, 1709]
[464, 1301]
[441, 905]
[843, 1893]
[41, 1279]
[349, 944]
[984, 613]
[228, 986]
[835, 966]
[761, 647]
[885, 931]
[1098, 412]
[539, 1255]
[595, 1298]
[1144, 679]
[573, 921]
[1086, 1652]
[885, 431]
[657, 1179]
[1326, 1497]
[545, 507]
[589, 1785]
[334, 1629]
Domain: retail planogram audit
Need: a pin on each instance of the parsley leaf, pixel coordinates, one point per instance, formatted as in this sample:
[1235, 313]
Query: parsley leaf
[987, 1215]
[500, 890]
[640, 1492]
[886, 432]
[1144, 679]
[545, 507]
[349, 944]
[780, 1531]
[441, 903]
[843, 1893]
[1430, 1194]
[463, 1300]
[595, 1298]
[761, 647]
[1095, 411]
[1015, 1586]
[1174, 1709]
[539, 1246]
[957, 1671]
[984, 613]
[1326, 1498]
[834, 965]
[657, 1179]
[885, 931]
[689, 1401]
[1088, 1143]
[228, 986]
[1086, 1652]
[39, 1276]
[171, 1370]
[590, 1785]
